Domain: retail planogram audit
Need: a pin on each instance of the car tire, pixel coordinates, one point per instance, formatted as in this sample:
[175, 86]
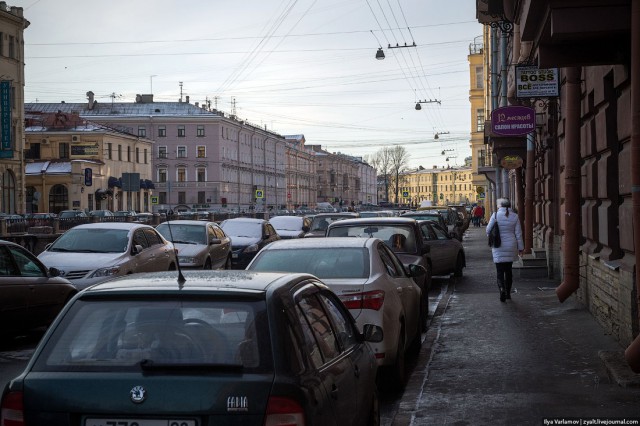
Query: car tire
[395, 375]
[207, 264]
[427, 281]
[227, 264]
[374, 414]
[459, 266]
[424, 313]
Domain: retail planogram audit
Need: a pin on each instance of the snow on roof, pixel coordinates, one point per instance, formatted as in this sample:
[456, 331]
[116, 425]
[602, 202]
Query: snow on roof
[48, 167]
[121, 108]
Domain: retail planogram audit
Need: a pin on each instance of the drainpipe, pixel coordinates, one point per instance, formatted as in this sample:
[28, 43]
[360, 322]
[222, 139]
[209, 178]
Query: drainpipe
[529, 193]
[571, 187]
[494, 103]
[632, 353]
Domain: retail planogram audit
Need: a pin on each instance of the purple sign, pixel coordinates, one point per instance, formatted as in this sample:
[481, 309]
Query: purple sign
[513, 120]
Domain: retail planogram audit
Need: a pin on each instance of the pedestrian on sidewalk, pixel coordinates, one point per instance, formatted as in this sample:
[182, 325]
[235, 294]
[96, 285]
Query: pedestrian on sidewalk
[511, 245]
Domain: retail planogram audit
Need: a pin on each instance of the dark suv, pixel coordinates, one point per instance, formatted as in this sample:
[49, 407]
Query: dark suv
[403, 235]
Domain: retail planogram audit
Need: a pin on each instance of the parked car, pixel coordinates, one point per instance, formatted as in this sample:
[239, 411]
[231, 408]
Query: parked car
[432, 215]
[447, 253]
[101, 213]
[291, 226]
[321, 222]
[202, 245]
[248, 236]
[401, 234]
[370, 280]
[95, 252]
[31, 295]
[69, 214]
[70, 218]
[124, 215]
[40, 219]
[144, 218]
[15, 223]
[230, 347]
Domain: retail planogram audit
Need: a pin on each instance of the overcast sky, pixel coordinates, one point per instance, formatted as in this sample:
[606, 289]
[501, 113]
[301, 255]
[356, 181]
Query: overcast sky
[297, 66]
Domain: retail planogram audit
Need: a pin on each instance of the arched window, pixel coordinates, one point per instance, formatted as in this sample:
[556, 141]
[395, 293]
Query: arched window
[58, 199]
[8, 192]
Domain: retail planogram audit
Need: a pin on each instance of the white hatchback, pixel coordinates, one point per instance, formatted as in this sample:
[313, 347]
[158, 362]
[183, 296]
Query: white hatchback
[95, 252]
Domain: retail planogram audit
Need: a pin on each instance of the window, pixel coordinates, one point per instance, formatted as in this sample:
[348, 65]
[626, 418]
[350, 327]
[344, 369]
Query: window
[142, 132]
[63, 150]
[480, 120]
[162, 152]
[201, 197]
[110, 151]
[345, 333]
[12, 47]
[182, 151]
[128, 154]
[119, 152]
[181, 132]
[201, 174]
[200, 131]
[479, 78]
[202, 151]
[181, 174]
[320, 327]
[145, 157]
[162, 131]
[137, 155]
[162, 198]
[182, 197]
[1, 44]
[162, 175]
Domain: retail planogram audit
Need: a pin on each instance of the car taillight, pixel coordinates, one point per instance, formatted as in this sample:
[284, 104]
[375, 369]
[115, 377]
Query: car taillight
[367, 300]
[12, 410]
[283, 412]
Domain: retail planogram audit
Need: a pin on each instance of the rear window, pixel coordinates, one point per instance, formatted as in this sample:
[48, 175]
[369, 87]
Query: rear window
[330, 262]
[118, 334]
[398, 238]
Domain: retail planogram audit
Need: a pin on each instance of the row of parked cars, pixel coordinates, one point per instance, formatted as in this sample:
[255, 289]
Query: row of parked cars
[304, 334]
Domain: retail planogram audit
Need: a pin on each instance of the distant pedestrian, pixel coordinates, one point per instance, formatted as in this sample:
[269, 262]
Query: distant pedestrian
[478, 213]
[511, 245]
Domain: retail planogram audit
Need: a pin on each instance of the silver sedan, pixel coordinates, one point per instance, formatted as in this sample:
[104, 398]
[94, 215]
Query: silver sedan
[370, 280]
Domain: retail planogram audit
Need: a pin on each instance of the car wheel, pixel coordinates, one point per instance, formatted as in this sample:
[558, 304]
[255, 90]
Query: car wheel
[424, 313]
[172, 267]
[427, 281]
[396, 373]
[374, 414]
[459, 266]
[207, 264]
[227, 264]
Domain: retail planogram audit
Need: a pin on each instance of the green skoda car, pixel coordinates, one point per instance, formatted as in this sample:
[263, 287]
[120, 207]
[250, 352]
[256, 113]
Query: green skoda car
[200, 349]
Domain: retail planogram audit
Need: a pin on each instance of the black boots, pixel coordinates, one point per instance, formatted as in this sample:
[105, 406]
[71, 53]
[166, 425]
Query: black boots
[503, 294]
[508, 292]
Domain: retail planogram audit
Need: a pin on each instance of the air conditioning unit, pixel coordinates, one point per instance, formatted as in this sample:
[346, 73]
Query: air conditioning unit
[75, 138]
[45, 141]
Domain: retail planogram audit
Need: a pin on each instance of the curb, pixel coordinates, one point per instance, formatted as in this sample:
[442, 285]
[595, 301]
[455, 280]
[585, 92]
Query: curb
[618, 369]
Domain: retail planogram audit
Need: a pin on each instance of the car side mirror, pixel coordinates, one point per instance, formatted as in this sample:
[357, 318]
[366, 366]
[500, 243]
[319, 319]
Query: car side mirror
[215, 241]
[137, 249]
[417, 270]
[305, 229]
[372, 333]
[54, 272]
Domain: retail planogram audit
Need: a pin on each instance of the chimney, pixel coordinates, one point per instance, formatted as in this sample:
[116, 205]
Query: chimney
[187, 98]
[91, 100]
[197, 104]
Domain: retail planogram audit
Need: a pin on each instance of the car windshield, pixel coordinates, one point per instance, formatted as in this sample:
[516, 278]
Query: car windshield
[286, 223]
[242, 228]
[323, 262]
[399, 238]
[67, 214]
[183, 234]
[92, 240]
[159, 333]
[321, 223]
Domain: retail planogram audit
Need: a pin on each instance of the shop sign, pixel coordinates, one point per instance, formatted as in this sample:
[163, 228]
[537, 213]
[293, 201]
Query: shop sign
[534, 82]
[510, 162]
[5, 118]
[85, 150]
[513, 120]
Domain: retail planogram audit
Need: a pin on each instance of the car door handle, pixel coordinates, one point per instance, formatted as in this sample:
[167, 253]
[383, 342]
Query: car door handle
[356, 371]
[334, 391]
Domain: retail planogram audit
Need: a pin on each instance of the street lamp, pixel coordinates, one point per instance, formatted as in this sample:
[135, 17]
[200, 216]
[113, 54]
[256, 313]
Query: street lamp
[380, 54]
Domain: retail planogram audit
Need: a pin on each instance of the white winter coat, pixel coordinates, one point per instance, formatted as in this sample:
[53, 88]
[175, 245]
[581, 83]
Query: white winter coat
[510, 234]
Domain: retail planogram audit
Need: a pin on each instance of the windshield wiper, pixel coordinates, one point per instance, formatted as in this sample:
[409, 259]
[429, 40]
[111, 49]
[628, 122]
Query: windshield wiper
[183, 242]
[150, 365]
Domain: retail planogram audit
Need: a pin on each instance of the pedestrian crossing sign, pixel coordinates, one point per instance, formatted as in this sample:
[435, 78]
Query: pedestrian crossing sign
[259, 193]
[405, 194]
[154, 199]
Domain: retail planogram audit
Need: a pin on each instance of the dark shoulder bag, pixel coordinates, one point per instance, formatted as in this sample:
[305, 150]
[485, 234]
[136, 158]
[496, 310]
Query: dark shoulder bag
[494, 234]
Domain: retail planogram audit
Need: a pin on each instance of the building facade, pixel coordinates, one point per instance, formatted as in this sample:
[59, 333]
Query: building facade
[582, 162]
[441, 186]
[301, 173]
[12, 182]
[73, 164]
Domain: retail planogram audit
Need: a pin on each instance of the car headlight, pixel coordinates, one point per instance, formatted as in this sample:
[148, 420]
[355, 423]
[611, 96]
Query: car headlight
[185, 259]
[251, 249]
[105, 272]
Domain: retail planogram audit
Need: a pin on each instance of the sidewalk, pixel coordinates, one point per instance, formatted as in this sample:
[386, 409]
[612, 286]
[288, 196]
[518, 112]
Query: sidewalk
[520, 362]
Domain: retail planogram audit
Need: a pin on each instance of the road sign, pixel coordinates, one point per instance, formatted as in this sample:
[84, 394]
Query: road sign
[405, 194]
[259, 193]
[154, 199]
[88, 176]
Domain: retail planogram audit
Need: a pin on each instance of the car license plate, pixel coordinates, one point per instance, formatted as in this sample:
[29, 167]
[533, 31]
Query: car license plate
[138, 422]
[234, 255]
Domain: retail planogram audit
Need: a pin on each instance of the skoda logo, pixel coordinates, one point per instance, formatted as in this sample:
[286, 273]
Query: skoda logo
[138, 394]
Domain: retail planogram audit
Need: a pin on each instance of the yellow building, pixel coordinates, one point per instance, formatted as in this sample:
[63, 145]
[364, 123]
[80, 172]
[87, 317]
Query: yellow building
[73, 164]
[441, 186]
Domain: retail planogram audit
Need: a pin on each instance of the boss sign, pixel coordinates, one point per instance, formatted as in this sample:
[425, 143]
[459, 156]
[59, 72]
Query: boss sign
[533, 82]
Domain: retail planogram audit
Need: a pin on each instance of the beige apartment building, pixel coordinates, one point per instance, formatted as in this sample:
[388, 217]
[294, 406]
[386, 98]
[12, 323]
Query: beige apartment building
[301, 173]
[441, 186]
[12, 183]
[71, 163]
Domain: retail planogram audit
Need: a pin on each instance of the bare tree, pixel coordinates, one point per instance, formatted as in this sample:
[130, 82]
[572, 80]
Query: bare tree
[399, 160]
[381, 161]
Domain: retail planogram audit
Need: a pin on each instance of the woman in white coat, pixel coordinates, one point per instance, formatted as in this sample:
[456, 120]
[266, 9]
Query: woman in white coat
[511, 245]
